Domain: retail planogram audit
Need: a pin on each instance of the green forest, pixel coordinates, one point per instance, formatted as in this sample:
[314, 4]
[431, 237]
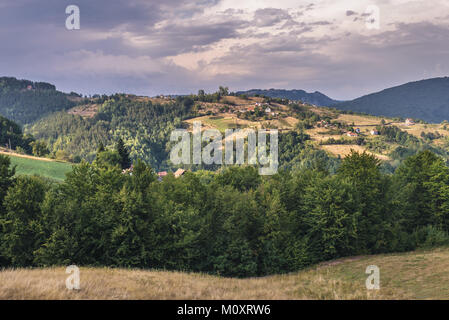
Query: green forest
[232, 222]
[144, 127]
[25, 101]
[12, 137]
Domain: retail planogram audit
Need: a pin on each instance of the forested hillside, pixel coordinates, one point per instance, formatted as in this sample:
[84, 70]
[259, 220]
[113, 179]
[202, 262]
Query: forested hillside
[25, 101]
[427, 100]
[306, 132]
[12, 137]
[144, 126]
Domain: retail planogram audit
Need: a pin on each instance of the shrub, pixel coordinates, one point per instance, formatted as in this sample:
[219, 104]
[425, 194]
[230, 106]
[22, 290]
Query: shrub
[430, 237]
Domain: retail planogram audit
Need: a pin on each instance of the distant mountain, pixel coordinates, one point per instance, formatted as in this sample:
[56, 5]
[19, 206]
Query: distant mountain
[316, 98]
[426, 99]
[24, 101]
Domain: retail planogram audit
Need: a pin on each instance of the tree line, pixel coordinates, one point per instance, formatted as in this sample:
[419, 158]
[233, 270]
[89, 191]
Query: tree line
[232, 222]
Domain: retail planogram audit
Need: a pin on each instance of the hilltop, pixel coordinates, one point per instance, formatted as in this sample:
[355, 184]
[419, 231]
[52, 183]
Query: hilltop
[414, 275]
[426, 99]
[25, 101]
[327, 129]
[316, 98]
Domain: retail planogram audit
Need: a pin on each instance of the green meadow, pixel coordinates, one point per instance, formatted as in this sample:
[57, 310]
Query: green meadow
[48, 169]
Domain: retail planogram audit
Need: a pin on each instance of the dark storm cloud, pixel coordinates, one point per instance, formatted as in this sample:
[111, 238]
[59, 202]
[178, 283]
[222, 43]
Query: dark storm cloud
[119, 19]
[95, 14]
[39, 27]
[180, 38]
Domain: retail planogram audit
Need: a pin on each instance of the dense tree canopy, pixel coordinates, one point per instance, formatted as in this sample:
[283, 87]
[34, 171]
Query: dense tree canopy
[143, 126]
[11, 136]
[232, 222]
[26, 101]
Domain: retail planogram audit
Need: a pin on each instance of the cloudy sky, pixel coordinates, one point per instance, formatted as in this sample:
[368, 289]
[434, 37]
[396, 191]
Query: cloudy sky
[174, 46]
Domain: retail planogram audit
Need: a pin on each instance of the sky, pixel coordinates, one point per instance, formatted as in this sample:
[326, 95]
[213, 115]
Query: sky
[342, 48]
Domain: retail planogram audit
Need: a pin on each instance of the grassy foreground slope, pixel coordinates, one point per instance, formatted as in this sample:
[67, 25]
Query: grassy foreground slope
[415, 275]
[28, 165]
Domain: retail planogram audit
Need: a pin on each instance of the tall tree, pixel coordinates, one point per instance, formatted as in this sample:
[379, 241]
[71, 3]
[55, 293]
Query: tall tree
[100, 147]
[362, 170]
[22, 230]
[223, 91]
[421, 182]
[125, 161]
[6, 176]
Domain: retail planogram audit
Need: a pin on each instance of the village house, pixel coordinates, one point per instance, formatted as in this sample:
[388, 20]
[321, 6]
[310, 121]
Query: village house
[409, 122]
[321, 123]
[268, 110]
[128, 171]
[375, 133]
[351, 134]
[179, 172]
[161, 175]
[357, 130]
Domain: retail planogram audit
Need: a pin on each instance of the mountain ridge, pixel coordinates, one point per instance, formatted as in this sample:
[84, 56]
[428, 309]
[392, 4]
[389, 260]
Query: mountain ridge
[426, 99]
[315, 98]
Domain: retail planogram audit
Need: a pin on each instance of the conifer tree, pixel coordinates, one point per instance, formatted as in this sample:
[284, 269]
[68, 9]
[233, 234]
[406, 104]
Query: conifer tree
[125, 161]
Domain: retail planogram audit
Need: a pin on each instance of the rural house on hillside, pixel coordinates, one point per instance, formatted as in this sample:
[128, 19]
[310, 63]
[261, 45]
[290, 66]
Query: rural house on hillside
[409, 122]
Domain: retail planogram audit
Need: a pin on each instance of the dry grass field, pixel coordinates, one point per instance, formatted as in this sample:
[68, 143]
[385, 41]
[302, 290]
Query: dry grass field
[343, 150]
[321, 134]
[360, 120]
[415, 275]
[417, 129]
[85, 111]
[223, 121]
[240, 101]
[10, 153]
